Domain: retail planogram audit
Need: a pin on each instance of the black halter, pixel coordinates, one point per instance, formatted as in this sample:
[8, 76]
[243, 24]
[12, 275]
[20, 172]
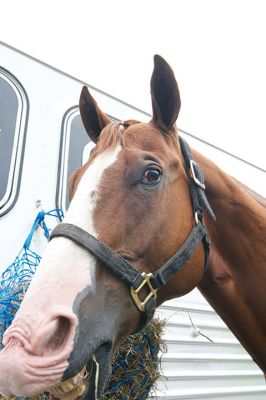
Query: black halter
[155, 280]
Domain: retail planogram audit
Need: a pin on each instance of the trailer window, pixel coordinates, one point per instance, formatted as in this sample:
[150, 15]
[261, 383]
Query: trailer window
[13, 112]
[74, 147]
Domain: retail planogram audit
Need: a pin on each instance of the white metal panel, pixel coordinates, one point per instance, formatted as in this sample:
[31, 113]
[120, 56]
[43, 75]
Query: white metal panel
[50, 95]
[204, 359]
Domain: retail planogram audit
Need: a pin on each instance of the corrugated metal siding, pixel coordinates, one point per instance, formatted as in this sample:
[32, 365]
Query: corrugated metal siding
[204, 359]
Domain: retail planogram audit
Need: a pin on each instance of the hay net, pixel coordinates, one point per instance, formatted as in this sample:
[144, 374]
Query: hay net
[136, 366]
[16, 278]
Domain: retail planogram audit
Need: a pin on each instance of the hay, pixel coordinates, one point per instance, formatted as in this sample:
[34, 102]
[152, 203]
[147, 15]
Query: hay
[136, 367]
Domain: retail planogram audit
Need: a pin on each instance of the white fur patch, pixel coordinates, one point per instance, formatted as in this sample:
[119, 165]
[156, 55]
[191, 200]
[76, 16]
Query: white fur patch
[83, 204]
[66, 269]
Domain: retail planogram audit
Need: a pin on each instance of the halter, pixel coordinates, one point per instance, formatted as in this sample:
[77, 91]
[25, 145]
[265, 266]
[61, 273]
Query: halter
[128, 274]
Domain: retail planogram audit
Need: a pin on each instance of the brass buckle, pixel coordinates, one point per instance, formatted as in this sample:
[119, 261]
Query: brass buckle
[134, 292]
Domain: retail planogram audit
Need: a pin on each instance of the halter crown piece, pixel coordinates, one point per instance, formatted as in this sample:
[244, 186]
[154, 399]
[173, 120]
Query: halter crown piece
[155, 280]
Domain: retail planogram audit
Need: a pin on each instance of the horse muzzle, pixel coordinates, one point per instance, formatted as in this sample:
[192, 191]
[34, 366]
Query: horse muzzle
[93, 348]
[103, 319]
[44, 353]
[91, 381]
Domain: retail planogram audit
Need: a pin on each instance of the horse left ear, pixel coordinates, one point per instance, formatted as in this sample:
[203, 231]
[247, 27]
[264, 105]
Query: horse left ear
[94, 120]
[164, 94]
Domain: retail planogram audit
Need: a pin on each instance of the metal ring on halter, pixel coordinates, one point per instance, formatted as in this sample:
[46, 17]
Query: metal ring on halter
[194, 165]
[197, 217]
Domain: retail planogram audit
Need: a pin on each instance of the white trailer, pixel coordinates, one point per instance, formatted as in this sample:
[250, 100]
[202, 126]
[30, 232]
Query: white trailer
[42, 141]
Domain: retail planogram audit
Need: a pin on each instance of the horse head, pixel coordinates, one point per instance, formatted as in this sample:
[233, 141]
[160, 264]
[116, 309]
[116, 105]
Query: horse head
[132, 196]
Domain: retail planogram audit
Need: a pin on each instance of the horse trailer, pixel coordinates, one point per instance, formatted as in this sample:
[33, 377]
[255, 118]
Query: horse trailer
[42, 140]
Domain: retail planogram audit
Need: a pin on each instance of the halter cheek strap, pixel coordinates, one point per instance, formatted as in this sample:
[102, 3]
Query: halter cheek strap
[196, 182]
[128, 274]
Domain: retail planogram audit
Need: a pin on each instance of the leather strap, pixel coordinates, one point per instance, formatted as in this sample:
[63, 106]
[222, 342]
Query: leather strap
[123, 270]
[128, 274]
[198, 196]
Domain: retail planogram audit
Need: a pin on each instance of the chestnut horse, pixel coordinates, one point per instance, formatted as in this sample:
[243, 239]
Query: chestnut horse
[136, 234]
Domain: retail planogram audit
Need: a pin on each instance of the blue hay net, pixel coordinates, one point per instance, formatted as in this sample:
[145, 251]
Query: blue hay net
[135, 368]
[15, 280]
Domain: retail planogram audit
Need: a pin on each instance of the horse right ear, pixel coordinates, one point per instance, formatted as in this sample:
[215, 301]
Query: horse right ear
[165, 95]
[94, 120]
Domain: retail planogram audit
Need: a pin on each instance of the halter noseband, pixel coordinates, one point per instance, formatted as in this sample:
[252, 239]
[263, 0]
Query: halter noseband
[155, 280]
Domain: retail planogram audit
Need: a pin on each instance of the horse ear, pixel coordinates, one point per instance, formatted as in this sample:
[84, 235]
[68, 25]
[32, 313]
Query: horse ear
[94, 120]
[164, 94]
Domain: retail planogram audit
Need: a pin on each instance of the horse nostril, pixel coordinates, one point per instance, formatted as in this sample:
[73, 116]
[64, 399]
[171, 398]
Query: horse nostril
[60, 332]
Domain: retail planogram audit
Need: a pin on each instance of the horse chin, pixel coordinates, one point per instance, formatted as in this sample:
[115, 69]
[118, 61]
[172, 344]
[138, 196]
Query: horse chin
[91, 381]
[100, 370]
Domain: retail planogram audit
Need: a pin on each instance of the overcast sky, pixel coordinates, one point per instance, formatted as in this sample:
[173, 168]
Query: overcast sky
[216, 48]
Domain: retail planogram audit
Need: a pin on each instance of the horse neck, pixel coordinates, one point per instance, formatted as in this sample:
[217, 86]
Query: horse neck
[235, 281]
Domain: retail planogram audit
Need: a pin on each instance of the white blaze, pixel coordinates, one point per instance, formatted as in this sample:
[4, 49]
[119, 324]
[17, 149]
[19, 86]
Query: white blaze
[66, 269]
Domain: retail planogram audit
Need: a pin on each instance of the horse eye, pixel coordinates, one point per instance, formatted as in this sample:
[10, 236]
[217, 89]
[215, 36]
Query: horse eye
[150, 176]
